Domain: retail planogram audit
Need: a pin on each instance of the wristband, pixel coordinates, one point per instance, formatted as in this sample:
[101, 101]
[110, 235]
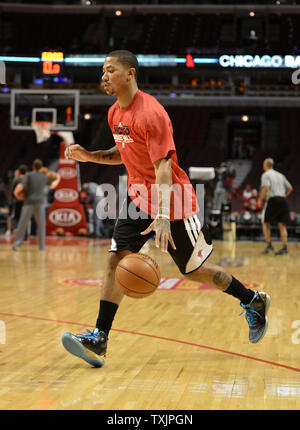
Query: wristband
[160, 216]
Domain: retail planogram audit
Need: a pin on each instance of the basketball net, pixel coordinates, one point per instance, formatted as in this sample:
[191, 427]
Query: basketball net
[42, 130]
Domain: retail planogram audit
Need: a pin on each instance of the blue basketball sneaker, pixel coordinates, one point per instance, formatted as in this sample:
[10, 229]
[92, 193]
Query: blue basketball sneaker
[91, 346]
[257, 315]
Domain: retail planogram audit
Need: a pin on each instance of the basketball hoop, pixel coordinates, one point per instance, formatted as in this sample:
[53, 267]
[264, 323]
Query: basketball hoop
[42, 130]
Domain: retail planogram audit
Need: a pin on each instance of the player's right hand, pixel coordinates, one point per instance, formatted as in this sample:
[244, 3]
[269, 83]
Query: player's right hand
[76, 152]
[162, 234]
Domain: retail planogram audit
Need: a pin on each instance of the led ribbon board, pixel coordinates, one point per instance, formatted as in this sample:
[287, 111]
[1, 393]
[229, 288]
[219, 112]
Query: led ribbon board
[252, 61]
[52, 61]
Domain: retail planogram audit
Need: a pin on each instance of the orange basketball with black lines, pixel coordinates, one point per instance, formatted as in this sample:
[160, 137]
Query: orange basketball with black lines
[21, 195]
[137, 275]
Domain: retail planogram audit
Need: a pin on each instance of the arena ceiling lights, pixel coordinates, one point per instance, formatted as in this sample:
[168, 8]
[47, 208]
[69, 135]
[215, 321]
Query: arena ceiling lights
[225, 61]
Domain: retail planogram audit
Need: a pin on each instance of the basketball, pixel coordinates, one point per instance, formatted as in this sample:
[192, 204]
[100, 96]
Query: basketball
[137, 275]
[82, 231]
[21, 195]
[60, 231]
[52, 175]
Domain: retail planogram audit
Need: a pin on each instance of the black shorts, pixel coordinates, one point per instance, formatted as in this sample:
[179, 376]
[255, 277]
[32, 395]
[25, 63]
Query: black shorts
[193, 242]
[276, 210]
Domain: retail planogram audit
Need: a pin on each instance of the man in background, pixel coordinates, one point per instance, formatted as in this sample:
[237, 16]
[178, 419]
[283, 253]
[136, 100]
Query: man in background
[15, 205]
[34, 184]
[95, 194]
[274, 188]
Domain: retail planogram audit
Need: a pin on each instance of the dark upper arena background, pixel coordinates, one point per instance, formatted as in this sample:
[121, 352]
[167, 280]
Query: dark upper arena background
[219, 114]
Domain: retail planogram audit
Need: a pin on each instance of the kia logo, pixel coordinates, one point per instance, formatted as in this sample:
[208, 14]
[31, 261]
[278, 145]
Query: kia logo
[66, 195]
[67, 172]
[65, 217]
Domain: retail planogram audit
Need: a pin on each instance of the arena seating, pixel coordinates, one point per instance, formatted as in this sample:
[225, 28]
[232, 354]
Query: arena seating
[88, 33]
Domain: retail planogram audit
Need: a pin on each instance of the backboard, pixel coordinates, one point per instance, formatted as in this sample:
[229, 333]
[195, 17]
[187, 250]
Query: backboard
[60, 107]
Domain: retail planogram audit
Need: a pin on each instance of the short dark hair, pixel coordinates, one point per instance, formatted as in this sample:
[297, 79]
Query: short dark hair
[23, 169]
[37, 164]
[127, 58]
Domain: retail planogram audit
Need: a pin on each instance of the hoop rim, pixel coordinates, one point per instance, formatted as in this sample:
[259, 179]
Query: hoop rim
[42, 125]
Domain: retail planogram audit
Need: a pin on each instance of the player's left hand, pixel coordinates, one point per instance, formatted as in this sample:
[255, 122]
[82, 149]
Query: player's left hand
[163, 234]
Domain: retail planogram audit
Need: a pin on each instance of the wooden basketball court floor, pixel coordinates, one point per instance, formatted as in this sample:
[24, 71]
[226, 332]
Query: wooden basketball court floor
[183, 348]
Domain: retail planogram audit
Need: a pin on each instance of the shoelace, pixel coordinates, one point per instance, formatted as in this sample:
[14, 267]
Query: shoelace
[89, 333]
[251, 315]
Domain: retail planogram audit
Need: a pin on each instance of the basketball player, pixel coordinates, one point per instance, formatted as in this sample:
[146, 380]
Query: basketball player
[275, 188]
[144, 143]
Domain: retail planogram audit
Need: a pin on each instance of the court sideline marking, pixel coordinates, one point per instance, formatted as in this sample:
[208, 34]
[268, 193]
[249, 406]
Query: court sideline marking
[211, 348]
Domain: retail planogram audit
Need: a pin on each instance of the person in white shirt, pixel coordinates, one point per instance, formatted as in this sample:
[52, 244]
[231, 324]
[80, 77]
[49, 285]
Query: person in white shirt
[274, 188]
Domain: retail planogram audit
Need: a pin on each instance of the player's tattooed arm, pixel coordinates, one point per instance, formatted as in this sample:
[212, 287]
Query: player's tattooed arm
[109, 156]
[163, 174]
[161, 224]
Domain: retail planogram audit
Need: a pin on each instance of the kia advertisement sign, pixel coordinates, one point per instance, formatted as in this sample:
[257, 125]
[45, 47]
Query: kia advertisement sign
[66, 195]
[67, 172]
[66, 215]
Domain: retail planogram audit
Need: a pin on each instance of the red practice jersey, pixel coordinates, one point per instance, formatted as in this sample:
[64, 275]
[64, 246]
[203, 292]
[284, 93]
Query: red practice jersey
[143, 134]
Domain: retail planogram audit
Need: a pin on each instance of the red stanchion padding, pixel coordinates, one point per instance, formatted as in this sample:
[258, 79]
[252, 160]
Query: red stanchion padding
[66, 215]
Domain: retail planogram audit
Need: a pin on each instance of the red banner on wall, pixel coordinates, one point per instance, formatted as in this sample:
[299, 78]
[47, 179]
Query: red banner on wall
[66, 214]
